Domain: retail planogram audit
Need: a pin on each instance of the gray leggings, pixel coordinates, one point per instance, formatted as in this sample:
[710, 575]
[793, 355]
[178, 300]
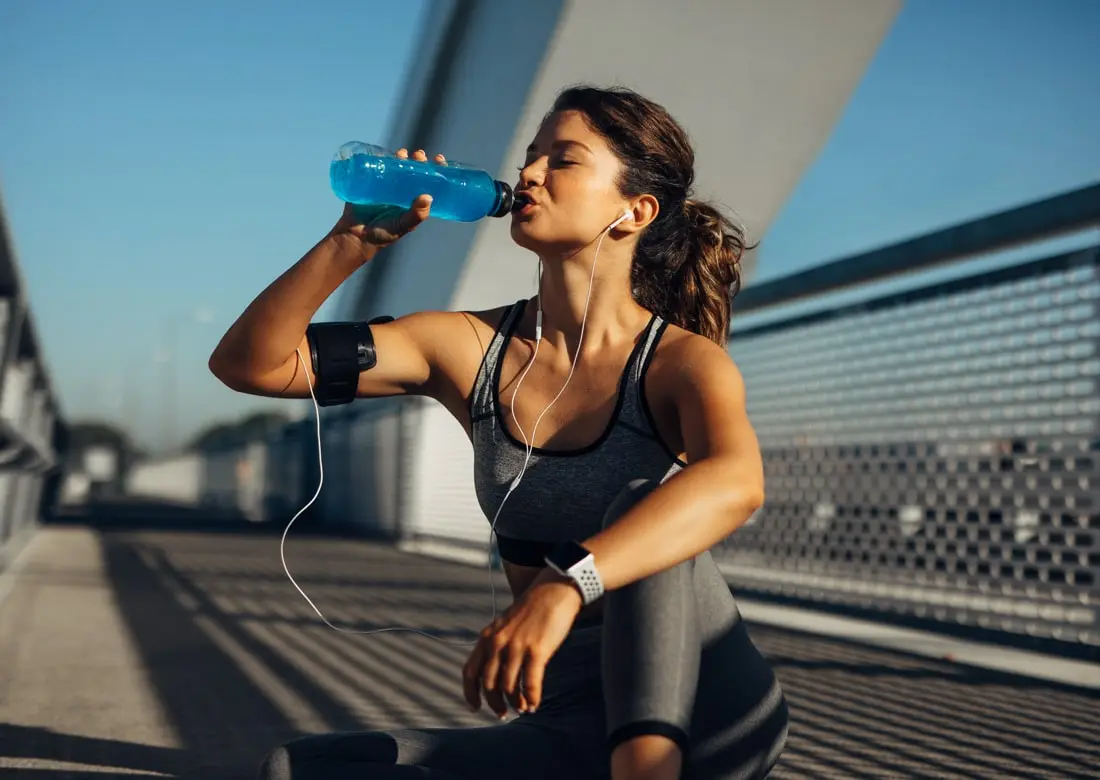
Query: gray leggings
[671, 657]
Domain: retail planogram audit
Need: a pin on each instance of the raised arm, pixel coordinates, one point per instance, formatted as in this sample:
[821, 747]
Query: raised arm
[259, 353]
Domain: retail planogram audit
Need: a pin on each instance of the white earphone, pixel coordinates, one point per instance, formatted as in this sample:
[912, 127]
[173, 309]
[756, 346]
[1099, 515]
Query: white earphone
[627, 214]
[528, 445]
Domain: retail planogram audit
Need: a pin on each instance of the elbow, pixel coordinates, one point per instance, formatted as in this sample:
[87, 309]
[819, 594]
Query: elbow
[754, 495]
[746, 501]
[754, 502]
[223, 371]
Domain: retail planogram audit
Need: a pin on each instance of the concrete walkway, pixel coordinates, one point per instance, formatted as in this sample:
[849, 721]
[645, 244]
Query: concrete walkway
[164, 653]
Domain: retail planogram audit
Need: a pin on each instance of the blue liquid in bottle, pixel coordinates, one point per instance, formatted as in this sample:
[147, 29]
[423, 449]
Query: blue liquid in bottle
[370, 175]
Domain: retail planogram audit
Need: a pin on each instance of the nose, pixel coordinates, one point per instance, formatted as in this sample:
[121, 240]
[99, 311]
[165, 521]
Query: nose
[532, 174]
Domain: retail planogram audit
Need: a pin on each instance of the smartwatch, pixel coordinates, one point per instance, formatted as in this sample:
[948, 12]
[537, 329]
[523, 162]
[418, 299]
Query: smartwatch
[572, 560]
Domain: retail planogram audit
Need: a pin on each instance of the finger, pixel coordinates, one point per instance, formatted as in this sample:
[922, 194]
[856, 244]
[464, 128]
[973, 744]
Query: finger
[471, 677]
[440, 159]
[490, 679]
[490, 671]
[494, 699]
[510, 678]
[533, 672]
[403, 153]
[419, 211]
[420, 155]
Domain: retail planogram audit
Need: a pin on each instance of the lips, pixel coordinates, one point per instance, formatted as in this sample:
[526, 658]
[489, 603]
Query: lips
[522, 203]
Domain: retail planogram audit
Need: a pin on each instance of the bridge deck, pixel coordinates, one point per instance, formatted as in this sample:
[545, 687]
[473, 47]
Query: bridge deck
[130, 652]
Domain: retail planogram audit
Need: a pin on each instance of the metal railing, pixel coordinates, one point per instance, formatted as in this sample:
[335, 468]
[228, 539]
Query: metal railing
[935, 453]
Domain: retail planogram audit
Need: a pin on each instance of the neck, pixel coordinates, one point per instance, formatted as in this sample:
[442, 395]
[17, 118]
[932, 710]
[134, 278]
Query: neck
[612, 313]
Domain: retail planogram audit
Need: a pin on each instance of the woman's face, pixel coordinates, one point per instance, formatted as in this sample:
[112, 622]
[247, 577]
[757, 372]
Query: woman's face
[567, 191]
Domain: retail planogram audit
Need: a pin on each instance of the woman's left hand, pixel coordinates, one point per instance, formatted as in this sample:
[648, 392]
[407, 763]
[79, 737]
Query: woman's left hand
[510, 657]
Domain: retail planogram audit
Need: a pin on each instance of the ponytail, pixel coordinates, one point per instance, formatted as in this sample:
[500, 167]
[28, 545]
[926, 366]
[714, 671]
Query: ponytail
[687, 268]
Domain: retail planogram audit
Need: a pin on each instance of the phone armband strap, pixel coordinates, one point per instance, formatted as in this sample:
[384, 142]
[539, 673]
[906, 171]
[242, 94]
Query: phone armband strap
[340, 352]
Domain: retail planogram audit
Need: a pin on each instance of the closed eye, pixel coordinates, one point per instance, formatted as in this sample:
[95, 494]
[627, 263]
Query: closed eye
[558, 163]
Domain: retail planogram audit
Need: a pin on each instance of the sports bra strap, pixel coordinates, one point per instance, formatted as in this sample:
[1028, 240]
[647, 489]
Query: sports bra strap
[481, 401]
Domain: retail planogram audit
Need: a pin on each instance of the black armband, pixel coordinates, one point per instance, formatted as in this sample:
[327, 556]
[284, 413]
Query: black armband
[339, 352]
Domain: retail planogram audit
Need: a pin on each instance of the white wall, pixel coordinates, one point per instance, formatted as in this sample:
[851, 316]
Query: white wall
[175, 479]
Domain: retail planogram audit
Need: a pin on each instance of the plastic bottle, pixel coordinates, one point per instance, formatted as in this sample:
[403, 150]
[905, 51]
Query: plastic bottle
[368, 175]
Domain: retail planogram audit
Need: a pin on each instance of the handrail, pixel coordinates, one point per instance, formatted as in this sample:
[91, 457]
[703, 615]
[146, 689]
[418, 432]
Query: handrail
[1075, 210]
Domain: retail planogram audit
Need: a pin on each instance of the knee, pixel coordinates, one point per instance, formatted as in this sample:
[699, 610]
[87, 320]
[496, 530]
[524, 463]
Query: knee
[326, 755]
[298, 758]
[627, 498]
[276, 766]
[649, 756]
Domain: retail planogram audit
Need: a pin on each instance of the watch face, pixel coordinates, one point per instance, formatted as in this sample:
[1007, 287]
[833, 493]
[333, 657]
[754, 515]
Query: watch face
[567, 555]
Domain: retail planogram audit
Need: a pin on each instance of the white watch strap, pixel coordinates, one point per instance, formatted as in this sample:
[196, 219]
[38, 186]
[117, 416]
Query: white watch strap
[587, 578]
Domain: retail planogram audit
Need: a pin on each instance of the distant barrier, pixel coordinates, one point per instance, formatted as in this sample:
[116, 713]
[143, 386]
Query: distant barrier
[32, 433]
[935, 453]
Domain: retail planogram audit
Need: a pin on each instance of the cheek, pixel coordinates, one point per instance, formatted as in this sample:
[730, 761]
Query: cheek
[586, 200]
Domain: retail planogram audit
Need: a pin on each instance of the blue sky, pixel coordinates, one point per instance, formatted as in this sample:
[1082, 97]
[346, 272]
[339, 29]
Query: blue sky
[142, 145]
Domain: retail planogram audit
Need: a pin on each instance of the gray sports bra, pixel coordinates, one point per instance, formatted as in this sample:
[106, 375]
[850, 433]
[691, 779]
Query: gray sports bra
[564, 493]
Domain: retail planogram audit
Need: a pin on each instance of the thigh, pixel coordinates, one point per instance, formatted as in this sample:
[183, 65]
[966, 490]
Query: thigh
[651, 643]
[650, 659]
[739, 718]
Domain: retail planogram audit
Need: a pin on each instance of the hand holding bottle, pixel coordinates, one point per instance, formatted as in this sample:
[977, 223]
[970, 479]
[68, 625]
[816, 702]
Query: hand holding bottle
[378, 225]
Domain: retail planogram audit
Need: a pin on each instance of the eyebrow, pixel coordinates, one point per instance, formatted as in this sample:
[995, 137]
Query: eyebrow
[558, 144]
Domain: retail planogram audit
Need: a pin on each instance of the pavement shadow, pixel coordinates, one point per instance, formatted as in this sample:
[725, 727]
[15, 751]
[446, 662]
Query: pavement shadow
[29, 742]
[233, 674]
[224, 721]
[221, 714]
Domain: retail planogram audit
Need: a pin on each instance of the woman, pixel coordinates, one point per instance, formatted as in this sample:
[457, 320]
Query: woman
[626, 656]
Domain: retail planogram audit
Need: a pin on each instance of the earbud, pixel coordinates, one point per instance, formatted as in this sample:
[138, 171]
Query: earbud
[627, 214]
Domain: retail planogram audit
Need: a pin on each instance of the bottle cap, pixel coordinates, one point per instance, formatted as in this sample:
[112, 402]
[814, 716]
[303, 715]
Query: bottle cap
[504, 200]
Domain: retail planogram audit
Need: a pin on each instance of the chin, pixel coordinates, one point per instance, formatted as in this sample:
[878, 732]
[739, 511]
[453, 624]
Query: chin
[526, 235]
[530, 235]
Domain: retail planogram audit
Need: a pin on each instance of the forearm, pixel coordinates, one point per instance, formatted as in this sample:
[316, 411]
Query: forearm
[680, 519]
[271, 328]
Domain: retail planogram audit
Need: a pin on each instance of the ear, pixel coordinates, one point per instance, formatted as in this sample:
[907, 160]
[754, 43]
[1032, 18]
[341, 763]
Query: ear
[644, 210]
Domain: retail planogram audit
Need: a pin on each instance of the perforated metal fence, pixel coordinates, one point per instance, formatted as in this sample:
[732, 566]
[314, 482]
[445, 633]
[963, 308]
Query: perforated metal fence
[935, 453]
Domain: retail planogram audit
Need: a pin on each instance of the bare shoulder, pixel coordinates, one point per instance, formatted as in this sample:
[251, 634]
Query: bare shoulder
[441, 335]
[686, 362]
[454, 344]
[461, 332]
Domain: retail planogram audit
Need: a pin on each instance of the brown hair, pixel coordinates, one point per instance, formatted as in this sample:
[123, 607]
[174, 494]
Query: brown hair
[687, 266]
